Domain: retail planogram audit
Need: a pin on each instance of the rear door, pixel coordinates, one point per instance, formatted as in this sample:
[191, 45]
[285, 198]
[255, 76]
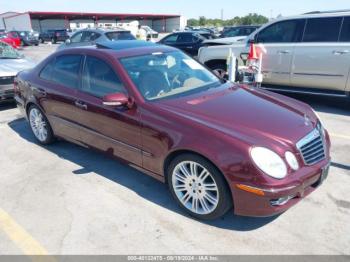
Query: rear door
[56, 90]
[279, 40]
[188, 43]
[110, 129]
[321, 60]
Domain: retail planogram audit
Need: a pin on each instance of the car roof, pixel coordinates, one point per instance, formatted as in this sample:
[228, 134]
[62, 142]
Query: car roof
[104, 30]
[124, 44]
[124, 48]
[315, 14]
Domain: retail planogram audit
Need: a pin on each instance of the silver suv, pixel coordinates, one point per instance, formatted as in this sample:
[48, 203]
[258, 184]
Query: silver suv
[92, 36]
[309, 53]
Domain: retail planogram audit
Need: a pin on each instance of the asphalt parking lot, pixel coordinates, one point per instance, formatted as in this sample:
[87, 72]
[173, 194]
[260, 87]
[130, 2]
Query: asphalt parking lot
[65, 199]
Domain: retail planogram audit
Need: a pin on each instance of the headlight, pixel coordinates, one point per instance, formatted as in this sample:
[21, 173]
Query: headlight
[269, 162]
[292, 160]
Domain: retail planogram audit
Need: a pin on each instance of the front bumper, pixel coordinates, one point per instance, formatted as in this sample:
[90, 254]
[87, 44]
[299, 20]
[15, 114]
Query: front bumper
[250, 204]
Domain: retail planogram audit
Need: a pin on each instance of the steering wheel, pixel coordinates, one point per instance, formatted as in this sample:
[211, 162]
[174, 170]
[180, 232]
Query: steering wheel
[179, 79]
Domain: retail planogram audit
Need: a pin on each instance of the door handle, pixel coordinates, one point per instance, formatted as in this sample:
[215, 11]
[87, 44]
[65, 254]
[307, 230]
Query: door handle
[80, 104]
[340, 52]
[283, 52]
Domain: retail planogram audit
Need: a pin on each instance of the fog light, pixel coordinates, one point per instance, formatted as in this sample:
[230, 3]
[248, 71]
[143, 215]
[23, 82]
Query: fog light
[281, 201]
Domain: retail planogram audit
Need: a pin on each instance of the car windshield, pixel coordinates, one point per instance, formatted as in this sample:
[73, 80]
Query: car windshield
[122, 35]
[7, 52]
[167, 75]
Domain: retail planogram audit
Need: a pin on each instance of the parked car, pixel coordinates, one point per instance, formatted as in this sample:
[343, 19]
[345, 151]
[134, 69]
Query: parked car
[187, 41]
[27, 37]
[209, 33]
[91, 36]
[231, 36]
[11, 62]
[305, 54]
[11, 39]
[156, 108]
[150, 32]
[239, 31]
[54, 36]
[5, 39]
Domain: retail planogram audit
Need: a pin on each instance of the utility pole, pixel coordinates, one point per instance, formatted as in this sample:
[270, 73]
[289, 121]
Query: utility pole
[222, 14]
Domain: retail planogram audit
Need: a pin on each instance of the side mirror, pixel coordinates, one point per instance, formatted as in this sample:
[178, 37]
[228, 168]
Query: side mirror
[117, 99]
[68, 41]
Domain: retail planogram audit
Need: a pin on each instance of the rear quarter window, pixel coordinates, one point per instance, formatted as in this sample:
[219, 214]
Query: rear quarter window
[46, 72]
[66, 70]
[345, 31]
[322, 29]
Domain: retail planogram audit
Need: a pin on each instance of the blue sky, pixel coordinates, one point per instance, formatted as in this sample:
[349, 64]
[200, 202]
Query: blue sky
[188, 8]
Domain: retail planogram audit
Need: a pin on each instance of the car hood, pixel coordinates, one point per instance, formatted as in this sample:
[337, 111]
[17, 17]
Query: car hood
[10, 67]
[252, 115]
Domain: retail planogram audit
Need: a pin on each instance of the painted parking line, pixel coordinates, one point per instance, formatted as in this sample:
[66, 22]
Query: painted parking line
[22, 239]
[340, 136]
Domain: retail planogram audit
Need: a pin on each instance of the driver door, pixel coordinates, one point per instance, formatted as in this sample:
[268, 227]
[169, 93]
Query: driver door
[111, 129]
[279, 40]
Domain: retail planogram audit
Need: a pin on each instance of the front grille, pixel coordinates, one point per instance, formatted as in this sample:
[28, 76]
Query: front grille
[6, 80]
[312, 147]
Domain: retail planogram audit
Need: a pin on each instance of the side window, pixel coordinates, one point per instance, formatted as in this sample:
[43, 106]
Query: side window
[66, 70]
[94, 36]
[322, 29]
[282, 32]
[89, 36]
[99, 79]
[77, 37]
[345, 31]
[171, 39]
[86, 36]
[46, 72]
[185, 38]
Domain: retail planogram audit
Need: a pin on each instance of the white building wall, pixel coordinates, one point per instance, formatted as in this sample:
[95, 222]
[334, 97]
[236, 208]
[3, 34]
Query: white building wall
[81, 24]
[4, 15]
[170, 25]
[35, 25]
[146, 22]
[18, 22]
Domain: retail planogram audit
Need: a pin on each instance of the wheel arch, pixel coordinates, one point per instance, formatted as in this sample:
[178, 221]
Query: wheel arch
[213, 62]
[171, 156]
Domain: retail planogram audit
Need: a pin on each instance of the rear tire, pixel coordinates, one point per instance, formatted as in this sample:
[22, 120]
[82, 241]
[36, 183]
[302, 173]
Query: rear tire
[53, 41]
[198, 187]
[220, 69]
[40, 126]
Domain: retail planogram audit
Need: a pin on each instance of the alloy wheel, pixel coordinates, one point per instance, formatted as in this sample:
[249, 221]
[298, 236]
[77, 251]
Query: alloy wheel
[38, 124]
[195, 187]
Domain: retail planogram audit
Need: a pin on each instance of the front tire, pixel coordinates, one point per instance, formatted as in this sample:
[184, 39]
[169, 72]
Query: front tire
[198, 187]
[40, 126]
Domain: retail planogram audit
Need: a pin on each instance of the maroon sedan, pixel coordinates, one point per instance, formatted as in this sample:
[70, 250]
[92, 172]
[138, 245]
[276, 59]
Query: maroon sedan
[216, 144]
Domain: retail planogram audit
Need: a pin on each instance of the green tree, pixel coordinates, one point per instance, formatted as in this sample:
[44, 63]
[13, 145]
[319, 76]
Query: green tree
[250, 19]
